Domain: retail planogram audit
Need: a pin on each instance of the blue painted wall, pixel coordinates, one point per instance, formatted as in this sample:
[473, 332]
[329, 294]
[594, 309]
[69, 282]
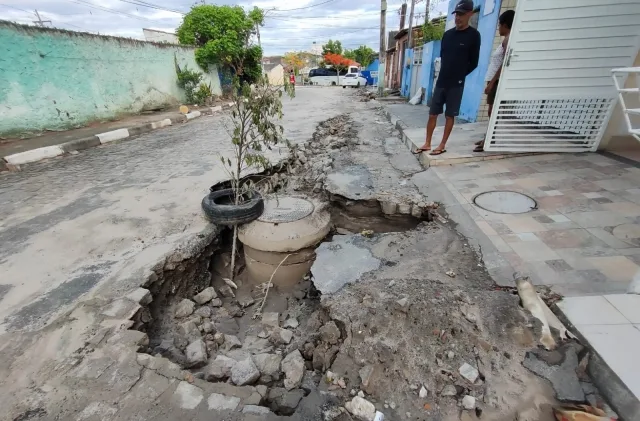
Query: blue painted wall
[430, 52]
[405, 88]
[474, 84]
[373, 67]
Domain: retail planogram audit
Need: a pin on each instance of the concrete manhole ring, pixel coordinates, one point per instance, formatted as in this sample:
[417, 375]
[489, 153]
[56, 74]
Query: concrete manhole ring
[285, 209]
[505, 202]
[627, 232]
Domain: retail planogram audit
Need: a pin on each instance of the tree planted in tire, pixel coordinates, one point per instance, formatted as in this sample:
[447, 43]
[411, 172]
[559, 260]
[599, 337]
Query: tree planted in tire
[255, 110]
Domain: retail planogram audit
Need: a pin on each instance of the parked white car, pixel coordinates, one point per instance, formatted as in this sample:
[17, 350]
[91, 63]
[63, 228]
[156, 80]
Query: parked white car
[353, 79]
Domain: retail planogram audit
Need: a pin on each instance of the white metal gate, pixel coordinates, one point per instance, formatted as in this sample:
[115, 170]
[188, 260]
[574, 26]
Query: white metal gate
[555, 92]
[416, 72]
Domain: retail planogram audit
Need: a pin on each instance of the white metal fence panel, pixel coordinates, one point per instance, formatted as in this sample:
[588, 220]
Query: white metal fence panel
[556, 92]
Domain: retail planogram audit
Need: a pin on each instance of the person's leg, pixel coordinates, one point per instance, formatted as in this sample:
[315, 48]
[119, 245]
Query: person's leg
[490, 101]
[436, 108]
[454, 99]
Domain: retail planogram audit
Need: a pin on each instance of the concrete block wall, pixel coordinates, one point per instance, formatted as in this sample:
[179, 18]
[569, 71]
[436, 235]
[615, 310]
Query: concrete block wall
[56, 79]
[484, 108]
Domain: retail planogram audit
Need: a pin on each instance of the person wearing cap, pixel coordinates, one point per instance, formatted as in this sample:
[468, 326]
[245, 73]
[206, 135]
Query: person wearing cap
[459, 56]
[505, 22]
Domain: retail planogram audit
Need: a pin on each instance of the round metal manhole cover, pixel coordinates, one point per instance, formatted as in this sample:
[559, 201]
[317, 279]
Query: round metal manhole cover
[502, 201]
[285, 209]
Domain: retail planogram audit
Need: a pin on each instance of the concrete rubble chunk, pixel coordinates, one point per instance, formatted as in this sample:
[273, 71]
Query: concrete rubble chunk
[366, 375]
[330, 333]
[291, 323]
[189, 331]
[185, 308]
[469, 403]
[207, 327]
[219, 369]
[309, 381]
[141, 296]
[220, 402]
[231, 342]
[196, 354]
[204, 312]
[281, 336]
[563, 377]
[423, 392]
[293, 367]
[205, 296]
[268, 364]
[187, 396]
[271, 319]
[245, 301]
[469, 372]
[227, 291]
[255, 410]
[361, 408]
[244, 372]
[449, 390]
[216, 302]
[289, 401]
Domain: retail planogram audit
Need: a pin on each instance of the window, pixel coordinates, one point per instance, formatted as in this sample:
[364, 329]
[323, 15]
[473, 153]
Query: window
[331, 72]
[417, 55]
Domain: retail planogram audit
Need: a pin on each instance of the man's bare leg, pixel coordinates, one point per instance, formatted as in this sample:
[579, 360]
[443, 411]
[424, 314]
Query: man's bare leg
[448, 126]
[431, 126]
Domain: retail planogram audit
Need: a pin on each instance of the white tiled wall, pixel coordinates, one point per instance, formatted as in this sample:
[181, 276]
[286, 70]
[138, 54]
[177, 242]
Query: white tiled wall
[484, 108]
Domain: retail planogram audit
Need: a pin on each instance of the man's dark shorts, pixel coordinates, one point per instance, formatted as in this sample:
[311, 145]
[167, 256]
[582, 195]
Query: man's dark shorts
[451, 97]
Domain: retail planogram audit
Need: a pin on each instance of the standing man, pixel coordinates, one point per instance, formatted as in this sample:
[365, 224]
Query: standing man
[459, 56]
[292, 80]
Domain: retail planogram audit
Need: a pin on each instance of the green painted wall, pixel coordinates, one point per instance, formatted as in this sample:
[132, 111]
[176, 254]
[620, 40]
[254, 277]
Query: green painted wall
[55, 79]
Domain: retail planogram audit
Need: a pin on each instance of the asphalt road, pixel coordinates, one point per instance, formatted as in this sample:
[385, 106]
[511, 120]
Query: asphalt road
[74, 223]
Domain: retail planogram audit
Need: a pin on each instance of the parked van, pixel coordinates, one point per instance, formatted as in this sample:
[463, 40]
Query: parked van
[329, 77]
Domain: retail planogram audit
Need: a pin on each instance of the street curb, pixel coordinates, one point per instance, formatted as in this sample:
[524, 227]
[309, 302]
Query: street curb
[614, 391]
[398, 124]
[14, 161]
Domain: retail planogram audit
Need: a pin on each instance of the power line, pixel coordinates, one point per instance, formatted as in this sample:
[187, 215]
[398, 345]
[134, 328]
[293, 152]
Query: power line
[306, 7]
[17, 8]
[106, 9]
[152, 6]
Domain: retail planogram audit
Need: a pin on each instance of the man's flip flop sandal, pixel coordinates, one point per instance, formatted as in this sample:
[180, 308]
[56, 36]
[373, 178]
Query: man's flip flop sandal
[438, 152]
[420, 150]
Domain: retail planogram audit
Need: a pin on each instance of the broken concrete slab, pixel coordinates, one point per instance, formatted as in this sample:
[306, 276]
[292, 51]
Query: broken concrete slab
[562, 376]
[354, 182]
[220, 402]
[187, 396]
[342, 261]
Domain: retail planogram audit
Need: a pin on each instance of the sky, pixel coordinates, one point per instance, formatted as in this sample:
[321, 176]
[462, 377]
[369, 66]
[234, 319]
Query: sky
[289, 26]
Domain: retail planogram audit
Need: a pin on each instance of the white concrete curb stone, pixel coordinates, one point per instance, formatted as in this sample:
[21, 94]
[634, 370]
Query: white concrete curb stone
[113, 135]
[161, 123]
[216, 109]
[34, 155]
[193, 114]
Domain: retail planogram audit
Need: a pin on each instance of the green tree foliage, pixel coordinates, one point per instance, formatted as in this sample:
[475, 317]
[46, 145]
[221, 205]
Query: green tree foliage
[363, 55]
[432, 31]
[223, 37]
[332, 47]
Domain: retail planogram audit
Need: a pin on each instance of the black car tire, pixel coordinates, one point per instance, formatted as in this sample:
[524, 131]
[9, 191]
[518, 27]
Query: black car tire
[219, 208]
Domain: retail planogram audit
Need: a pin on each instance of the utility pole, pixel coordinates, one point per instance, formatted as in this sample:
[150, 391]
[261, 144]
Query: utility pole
[260, 45]
[426, 13]
[413, 5]
[40, 22]
[383, 49]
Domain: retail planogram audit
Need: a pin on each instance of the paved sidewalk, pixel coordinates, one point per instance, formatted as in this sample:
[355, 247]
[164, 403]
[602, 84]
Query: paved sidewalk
[411, 120]
[16, 152]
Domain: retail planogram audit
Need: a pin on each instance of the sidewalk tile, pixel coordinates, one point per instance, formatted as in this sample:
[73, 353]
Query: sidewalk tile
[618, 346]
[627, 304]
[591, 311]
[576, 238]
[521, 224]
[532, 251]
[597, 219]
[618, 268]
